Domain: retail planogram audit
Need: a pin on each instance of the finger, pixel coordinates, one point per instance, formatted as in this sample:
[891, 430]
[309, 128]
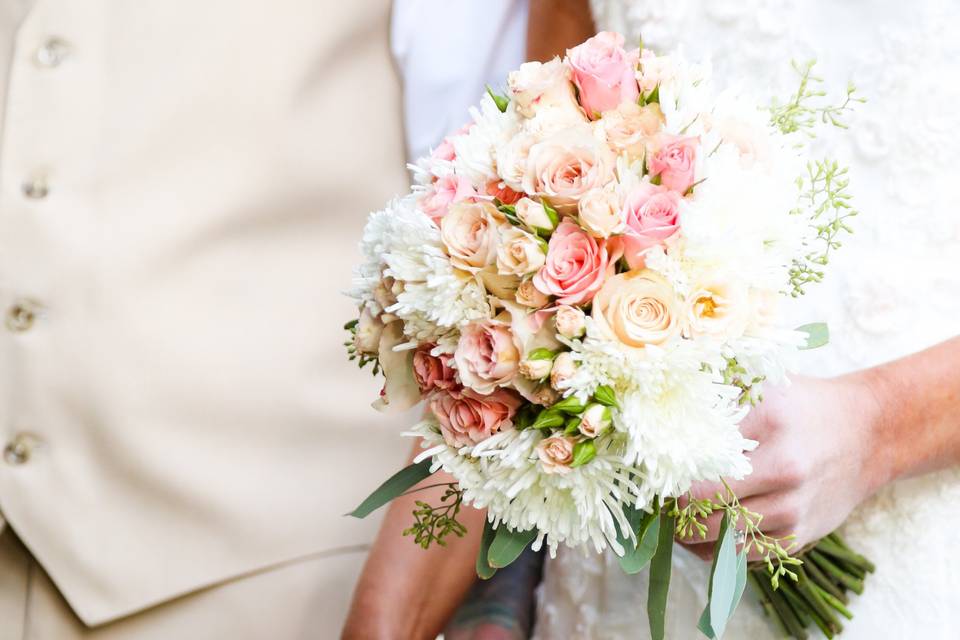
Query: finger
[762, 505]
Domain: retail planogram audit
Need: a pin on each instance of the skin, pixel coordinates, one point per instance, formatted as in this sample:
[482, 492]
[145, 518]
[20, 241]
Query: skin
[826, 445]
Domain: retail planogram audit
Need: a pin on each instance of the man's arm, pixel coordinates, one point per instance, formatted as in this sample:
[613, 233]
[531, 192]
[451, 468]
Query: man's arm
[555, 26]
[406, 591]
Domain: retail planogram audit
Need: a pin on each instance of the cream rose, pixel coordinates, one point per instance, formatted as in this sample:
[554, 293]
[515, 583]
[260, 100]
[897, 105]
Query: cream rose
[717, 307]
[566, 165]
[556, 454]
[512, 159]
[595, 420]
[469, 232]
[637, 308]
[535, 215]
[563, 369]
[600, 213]
[519, 253]
[629, 127]
[542, 85]
[366, 339]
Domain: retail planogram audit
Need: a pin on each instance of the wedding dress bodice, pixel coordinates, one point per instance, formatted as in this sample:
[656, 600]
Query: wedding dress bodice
[893, 288]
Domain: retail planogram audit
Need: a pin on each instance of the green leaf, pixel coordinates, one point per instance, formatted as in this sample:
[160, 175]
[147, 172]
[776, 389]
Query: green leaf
[818, 334]
[393, 487]
[484, 570]
[507, 545]
[541, 353]
[548, 419]
[646, 526]
[660, 567]
[500, 101]
[654, 95]
[551, 212]
[605, 396]
[583, 452]
[572, 425]
[728, 576]
[570, 405]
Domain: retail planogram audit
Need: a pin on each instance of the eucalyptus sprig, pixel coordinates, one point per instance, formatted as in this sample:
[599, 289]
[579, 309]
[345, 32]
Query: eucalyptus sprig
[433, 523]
[802, 111]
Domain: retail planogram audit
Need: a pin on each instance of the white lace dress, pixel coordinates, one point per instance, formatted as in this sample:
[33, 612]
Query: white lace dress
[893, 289]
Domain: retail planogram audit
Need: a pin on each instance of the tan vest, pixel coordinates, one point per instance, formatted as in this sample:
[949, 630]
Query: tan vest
[182, 188]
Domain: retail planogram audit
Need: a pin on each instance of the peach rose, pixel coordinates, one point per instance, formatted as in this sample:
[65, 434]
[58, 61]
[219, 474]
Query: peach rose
[542, 85]
[675, 161]
[652, 215]
[436, 201]
[629, 127]
[566, 165]
[529, 296]
[637, 308]
[556, 454]
[467, 418]
[433, 372]
[600, 213]
[469, 232]
[486, 356]
[576, 265]
[604, 72]
[570, 321]
[519, 253]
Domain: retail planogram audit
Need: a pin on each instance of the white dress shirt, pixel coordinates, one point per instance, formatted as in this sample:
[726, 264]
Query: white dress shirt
[447, 52]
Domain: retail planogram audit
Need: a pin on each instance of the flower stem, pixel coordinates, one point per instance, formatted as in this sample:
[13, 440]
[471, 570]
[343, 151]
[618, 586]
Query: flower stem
[829, 567]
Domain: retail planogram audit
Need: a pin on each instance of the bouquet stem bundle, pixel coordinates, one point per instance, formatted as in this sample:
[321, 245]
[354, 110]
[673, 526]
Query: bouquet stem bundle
[820, 594]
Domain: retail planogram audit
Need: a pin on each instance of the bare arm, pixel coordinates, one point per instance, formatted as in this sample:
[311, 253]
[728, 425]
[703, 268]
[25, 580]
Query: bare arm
[406, 591]
[555, 26]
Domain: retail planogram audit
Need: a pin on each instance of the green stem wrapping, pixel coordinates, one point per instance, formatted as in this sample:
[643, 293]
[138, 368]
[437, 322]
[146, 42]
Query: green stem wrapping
[817, 603]
[836, 604]
[833, 570]
[823, 581]
[786, 614]
[831, 548]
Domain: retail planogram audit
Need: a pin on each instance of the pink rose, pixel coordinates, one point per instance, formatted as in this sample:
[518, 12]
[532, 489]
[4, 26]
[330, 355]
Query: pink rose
[675, 162]
[576, 265]
[433, 372]
[467, 418]
[486, 356]
[604, 72]
[444, 192]
[653, 215]
[445, 150]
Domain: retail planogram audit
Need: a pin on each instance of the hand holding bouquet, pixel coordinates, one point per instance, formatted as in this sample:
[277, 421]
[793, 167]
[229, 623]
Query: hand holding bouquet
[584, 287]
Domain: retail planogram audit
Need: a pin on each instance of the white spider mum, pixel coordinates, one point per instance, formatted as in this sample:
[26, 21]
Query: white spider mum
[476, 149]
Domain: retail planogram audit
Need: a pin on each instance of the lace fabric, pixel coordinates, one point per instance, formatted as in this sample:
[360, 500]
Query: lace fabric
[893, 289]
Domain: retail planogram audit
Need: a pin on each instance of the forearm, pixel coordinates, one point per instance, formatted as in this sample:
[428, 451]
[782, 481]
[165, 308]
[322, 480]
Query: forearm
[406, 591]
[557, 25]
[917, 424]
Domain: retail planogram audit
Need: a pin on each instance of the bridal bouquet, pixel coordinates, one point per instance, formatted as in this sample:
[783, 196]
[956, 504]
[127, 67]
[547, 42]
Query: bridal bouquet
[585, 288]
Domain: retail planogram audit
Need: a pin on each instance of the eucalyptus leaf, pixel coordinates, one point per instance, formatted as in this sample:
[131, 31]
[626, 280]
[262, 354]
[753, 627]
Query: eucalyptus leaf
[637, 555]
[728, 577]
[484, 570]
[507, 545]
[660, 567]
[393, 487]
[818, 334]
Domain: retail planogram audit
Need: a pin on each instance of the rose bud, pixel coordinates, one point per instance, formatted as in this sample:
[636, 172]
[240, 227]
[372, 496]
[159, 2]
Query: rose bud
[529, 296]
[556, 454]
[545, 395]
[535, 215]
[563, 369]
[595, 419]
[571, 322]
[600, 213]
[366, 340]
[537, 364]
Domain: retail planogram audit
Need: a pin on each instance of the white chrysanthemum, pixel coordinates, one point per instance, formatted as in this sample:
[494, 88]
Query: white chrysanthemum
[402, 243]
[502, 474]
[476, 149]
[681, 421]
